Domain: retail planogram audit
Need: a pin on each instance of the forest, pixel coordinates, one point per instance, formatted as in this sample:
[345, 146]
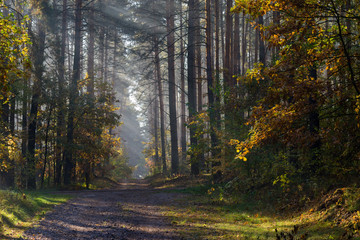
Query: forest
[259, 97]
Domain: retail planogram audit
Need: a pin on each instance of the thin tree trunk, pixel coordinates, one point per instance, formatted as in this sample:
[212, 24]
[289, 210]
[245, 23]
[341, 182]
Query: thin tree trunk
[182, 85]
[244, 44]
[228, 43]
[314, 126]
[236, 47]
[102, 52]
[46, 146]
[106, 57]
[156, 130]
[256, 43]
[222, 34]
[161, 102]
[91, 53]
[262, 56]
[91, 83]
[24, 137]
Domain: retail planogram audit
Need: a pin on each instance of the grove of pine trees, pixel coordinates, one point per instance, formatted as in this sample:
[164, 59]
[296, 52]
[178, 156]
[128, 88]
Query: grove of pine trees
[253, 93]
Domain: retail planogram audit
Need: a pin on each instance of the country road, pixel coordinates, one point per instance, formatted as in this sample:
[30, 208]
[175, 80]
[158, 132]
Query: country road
[131, 211]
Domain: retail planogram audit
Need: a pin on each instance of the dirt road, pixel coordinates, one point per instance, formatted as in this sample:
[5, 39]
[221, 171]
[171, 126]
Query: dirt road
[132, 211]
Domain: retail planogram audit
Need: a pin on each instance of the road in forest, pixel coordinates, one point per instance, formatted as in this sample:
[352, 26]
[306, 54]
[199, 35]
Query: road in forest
[132, 211]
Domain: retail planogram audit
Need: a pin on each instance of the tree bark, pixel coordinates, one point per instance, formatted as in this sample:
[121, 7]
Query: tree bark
[172, 92]
[210, 82]
[156, 130]
[39, 51]
[228, 42]
[262, 56]
[192, 81]
[60, 129]
[69, 153]
[161, 102]
[182, 85]
[236, 47]
[244, 44]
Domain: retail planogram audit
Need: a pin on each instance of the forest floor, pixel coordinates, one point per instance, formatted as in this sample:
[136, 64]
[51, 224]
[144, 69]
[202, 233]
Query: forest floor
[180, 208]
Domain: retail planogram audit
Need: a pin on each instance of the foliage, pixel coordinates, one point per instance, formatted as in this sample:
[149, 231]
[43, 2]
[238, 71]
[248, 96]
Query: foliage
[315, 77]
[14, 51]
[14, 64]
[120, 163]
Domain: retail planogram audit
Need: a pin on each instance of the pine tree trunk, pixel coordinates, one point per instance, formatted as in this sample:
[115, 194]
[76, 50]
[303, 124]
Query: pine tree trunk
[182, 85]
[69, 153]
[60, 128]
[161, 102]
[244, 44]
[156, 130]
[262, 56]
[39, 51]
[210, 82]
[236, 48]
[228, 42]
[192, 81]
[172, 92]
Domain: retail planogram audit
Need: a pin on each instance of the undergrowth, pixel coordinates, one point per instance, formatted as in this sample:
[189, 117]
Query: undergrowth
[20, 210]
[210, 211]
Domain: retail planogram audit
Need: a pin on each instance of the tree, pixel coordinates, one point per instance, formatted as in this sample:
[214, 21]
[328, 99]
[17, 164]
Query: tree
[191, 81]
[14, 65]
[172, 92]
[304, 107]
[69, 157]
[39, 55]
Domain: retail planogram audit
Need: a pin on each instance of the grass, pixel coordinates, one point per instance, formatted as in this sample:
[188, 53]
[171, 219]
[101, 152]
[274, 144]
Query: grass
[19, 211]
[203, 213]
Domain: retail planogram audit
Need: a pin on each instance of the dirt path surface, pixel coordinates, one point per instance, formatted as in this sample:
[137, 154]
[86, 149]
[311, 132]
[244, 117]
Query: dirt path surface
[132, 211]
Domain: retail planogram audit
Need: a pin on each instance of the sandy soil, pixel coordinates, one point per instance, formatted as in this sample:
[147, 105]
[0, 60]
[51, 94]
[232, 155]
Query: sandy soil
[131, 211]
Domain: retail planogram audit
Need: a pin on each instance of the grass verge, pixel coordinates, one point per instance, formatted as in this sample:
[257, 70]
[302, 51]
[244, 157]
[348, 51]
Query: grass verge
[19, 211]
[203, 213]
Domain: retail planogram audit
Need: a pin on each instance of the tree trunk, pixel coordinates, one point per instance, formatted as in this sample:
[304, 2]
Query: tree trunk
[69, 161]
[182, 85]
[91, 53]
[24, 127]
[262, 56]
[192, 81]
[106, 57]
[61, 100]
[244, 44]
[228, 42]
[161, 102]
[90, 84]
[172, 92]
[46, 146]
[210, 82]
[156, 130]
[39, 51]
[314, 126]
[236, 48]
